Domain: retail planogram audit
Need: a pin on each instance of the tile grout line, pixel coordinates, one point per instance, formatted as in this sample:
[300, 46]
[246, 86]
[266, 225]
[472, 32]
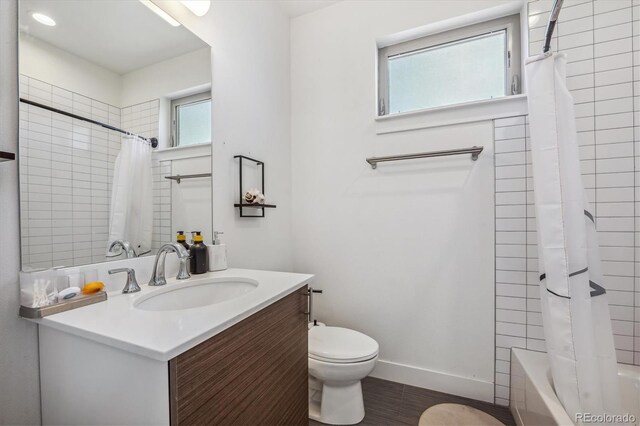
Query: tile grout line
[595, 136]
[635, 212]
[526, 236]
[495, 325]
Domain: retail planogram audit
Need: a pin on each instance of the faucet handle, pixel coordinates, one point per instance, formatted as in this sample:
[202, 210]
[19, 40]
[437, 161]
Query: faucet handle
[132, 284]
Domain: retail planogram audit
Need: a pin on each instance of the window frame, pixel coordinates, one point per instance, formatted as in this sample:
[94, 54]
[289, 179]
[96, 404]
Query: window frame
[178, 102]
[510, 24]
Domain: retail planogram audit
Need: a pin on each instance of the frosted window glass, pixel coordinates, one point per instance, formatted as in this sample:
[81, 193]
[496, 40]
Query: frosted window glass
[466, 70]
[194, 123]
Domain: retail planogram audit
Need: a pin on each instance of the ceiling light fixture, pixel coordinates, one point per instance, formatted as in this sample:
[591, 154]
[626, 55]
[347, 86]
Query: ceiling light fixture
[161, 13]
[43, 19]
[198, 7]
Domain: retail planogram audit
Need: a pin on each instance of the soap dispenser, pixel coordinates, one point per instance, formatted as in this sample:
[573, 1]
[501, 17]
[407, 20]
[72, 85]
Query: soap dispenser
[198, 251]
[182, 240]
[217, 253]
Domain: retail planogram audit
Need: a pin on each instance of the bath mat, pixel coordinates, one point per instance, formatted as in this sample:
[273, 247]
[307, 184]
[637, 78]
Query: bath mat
[456, 415]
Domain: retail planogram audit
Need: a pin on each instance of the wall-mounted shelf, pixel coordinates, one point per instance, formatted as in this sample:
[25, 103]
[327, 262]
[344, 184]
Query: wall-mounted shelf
[241, 204]
[255, 206]
[7, 156]
[178, 178]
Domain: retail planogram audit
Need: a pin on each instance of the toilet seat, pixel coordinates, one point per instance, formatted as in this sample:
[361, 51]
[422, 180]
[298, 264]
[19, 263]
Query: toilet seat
[340, 345]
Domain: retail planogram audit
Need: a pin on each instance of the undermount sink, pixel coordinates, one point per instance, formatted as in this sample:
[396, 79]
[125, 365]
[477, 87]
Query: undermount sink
[195, 295]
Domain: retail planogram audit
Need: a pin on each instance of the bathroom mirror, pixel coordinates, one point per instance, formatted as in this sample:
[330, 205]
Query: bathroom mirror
[100, 82]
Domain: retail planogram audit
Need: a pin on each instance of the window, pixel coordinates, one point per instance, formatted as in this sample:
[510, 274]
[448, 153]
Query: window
[472, 63]
[191, 120]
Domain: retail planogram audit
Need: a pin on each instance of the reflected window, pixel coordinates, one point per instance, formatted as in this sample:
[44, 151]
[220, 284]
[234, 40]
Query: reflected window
[191, 120]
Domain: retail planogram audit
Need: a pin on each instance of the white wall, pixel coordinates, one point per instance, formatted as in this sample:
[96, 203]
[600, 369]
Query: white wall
[55, 66]
[250, 91]
[19, 387]
[166, 78]
[404, 253]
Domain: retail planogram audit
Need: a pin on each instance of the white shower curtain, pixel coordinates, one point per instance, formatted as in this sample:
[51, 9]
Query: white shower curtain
[575, 310]
[131, 214]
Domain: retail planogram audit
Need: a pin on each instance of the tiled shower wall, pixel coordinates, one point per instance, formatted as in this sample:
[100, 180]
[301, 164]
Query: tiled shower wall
[602, 41]
[66, 173]
[66, 168]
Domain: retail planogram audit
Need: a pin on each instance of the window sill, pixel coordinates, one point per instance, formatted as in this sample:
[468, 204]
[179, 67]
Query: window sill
[469, 112]
[182, 152]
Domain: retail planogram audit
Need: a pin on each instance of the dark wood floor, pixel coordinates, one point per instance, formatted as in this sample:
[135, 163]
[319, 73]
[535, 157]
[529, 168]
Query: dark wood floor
[389, 403]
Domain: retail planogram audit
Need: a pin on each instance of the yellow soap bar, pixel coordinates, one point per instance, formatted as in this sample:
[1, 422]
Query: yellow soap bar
[94, 287]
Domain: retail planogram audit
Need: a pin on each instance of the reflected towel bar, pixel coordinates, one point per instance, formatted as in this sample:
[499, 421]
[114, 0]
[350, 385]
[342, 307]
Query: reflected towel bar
[7, 156]
[474, 151]
[178, 178]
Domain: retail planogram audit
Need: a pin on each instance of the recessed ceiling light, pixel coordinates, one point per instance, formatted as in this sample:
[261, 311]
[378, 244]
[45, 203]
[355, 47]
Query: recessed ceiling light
[198, 7]
[43, 19]
[161, 13]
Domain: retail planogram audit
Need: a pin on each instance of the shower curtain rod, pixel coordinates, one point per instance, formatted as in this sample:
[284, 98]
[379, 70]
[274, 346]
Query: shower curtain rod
[553, 18]
[152, 141]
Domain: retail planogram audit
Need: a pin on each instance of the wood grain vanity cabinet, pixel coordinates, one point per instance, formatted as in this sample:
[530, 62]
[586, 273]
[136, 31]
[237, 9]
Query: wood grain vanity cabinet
[253, 373]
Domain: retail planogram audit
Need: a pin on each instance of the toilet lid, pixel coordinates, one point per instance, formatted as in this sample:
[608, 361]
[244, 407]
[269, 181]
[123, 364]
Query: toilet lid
[340, 345]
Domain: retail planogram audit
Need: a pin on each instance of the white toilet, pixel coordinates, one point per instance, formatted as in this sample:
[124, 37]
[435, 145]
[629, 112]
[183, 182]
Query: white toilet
[338, 359]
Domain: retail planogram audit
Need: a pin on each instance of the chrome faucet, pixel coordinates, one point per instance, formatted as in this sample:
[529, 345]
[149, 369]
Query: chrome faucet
[157, 275]
[132, 284]
[126, 246]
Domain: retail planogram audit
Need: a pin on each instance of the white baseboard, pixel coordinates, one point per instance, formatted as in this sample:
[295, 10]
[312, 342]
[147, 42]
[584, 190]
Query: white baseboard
[435, 380]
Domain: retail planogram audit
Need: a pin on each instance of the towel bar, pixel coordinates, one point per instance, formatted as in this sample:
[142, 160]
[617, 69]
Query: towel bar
[474, 151]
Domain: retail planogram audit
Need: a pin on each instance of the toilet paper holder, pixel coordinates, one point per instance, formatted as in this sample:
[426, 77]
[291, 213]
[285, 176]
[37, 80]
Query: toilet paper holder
[309, 294]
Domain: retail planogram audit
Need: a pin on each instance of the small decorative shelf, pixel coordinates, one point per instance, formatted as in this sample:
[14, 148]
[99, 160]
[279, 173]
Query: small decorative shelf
[7, 156]
[255, 206]
[178, 178]
[243, 205]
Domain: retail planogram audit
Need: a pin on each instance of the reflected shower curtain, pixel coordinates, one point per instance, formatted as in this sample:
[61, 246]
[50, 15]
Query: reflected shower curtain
[575, 311]
[131, 213]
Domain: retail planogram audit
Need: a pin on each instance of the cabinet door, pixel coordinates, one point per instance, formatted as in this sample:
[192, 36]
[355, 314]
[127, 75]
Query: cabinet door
[254, 373]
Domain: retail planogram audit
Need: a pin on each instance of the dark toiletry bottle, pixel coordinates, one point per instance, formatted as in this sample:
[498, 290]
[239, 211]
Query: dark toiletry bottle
[182, 239]
[199, 255]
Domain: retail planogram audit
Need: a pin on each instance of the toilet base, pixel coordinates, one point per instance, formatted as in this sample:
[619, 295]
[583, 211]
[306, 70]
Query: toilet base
[336, 404]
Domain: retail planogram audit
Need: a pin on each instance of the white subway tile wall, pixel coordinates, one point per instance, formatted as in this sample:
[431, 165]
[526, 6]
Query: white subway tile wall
[602, 41]
[512, 252]
[66, 168]
[66, 173]
[161, 204]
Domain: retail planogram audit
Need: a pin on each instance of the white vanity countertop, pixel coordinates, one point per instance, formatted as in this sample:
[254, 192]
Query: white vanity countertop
[163, 335]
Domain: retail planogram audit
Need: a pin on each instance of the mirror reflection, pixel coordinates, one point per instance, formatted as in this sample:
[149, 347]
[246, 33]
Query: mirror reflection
[113, 99]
